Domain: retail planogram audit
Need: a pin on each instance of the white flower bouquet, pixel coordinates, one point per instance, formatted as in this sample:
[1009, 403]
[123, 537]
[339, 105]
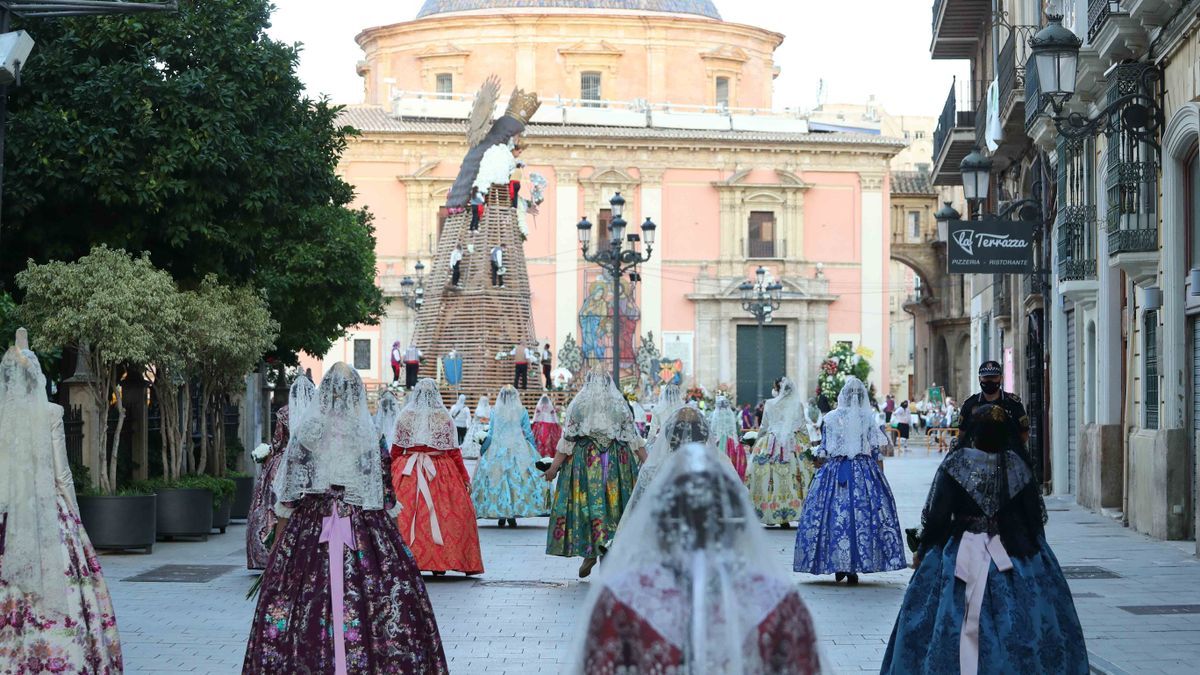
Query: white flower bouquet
[500, 356]
[261, 452]
[749, 437]
[482, 434]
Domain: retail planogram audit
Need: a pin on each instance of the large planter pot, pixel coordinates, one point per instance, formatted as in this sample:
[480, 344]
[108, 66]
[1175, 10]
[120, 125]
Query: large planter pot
[221, 511]
[242, 498]
[185, 512]
[119, 523]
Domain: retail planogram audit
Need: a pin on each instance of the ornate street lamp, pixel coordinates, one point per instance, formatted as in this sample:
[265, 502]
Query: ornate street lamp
[943, 217]
[413, 292]
[1055, 52]
[615, 259]
[976, 170]
[761, 299]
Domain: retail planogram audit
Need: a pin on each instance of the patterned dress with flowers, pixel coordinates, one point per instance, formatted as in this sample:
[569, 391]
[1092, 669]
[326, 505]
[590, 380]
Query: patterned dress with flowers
[85, 640]
[388, 621]
[260, 521]
[438, 519]
[778, 478]
[593, 487]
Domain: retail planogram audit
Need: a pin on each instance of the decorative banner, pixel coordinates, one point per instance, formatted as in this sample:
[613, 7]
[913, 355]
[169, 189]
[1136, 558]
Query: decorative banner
[670, 371]
[990, 246]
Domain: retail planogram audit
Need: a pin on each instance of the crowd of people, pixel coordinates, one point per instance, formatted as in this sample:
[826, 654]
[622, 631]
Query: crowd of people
[669, 500]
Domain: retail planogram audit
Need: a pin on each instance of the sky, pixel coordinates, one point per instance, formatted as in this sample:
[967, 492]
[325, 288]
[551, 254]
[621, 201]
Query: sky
[857, 47]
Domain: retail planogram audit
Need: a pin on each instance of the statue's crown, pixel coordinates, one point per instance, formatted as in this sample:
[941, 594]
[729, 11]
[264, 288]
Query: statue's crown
[522, 105]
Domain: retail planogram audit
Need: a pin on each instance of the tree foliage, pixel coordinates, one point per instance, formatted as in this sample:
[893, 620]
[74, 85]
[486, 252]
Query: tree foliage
[188, 135]
[113, 307]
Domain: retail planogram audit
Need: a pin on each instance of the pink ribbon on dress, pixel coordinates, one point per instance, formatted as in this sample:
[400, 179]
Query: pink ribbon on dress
[976, 552]
[426, 471]
[336, 531]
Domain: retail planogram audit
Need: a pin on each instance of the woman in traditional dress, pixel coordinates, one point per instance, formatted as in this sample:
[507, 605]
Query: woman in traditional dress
[988, 594]
[432, 484]
[669, 401]
[546, 428]
[507, 482]
[601, 450]
[849, 524]
[478, 429]
[778, 474]
[460, 412]
[724, 424]
[55, 612]
[260, 520]
[690, 587]
[387, 411]
[685, 425]
[341, 594]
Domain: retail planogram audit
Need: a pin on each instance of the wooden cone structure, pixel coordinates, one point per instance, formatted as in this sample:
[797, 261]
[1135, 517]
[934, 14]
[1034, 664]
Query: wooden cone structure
[479, 319]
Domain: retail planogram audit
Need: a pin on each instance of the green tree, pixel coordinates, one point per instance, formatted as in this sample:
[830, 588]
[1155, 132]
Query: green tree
[188, 135]
[112, 307]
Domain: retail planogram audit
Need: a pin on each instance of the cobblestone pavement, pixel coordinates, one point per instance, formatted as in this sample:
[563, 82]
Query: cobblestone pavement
[520, 616]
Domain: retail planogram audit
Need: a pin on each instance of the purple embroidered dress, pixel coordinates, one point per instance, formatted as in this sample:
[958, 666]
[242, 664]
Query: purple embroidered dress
[363, 609]
[261, 519]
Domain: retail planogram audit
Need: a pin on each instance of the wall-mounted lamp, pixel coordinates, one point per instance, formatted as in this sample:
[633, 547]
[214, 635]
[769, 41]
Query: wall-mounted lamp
[1152, 299]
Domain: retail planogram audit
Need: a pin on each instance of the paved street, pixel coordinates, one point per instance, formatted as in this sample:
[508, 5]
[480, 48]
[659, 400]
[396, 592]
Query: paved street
[519, 617]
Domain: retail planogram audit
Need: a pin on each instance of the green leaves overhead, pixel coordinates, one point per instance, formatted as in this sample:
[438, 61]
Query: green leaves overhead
[188, 136]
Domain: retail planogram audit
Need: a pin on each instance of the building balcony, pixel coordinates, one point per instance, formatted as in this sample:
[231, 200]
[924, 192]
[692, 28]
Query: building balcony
[1152, 13]
[1002, 298]
[957, 26]
[1132, 220]
[955, 133]
[1077, 252]
[1112, 32]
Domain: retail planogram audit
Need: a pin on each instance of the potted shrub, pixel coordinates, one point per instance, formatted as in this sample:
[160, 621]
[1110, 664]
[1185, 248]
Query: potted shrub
[242, 495]
[122, 521]
[183, 507]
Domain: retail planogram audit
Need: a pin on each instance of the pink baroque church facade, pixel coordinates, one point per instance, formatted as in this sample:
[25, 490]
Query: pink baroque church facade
[669, 105]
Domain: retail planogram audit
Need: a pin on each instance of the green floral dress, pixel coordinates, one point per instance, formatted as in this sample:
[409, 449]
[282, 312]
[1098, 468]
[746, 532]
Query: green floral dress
[778, 478]
[594, 486]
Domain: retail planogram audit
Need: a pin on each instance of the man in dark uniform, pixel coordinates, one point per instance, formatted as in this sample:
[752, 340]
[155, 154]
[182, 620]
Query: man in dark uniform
[989, 382]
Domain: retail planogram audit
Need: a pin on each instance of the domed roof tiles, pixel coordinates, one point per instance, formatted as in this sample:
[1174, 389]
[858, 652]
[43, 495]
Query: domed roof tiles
[700, 7]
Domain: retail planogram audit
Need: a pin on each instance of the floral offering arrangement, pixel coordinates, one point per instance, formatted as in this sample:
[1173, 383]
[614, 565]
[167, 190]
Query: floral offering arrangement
[260, 453]
[482, 434]
[842, 362]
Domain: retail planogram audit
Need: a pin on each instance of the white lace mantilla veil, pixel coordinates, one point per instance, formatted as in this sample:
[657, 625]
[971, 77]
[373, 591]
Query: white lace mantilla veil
[724, 423]
[33, 553]
[545, 411]
[425, 420]
[686, 425]
[336, 445]
[302, 401]
[851, 428]
[784, 415]
[669, 401]
[598, 411]
[507, 430]
[693, 563]
[483, 408]
[387, 412]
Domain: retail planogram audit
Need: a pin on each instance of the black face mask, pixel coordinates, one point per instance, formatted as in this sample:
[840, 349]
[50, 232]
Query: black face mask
[989, 388]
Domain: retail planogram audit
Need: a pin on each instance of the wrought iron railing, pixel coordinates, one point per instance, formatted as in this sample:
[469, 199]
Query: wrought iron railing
[756, 248]
[1034, 105]
[1099, 12]
[957, 113]
[1076, 243]
[1132, 197]
[1011, 67]
[73, 432]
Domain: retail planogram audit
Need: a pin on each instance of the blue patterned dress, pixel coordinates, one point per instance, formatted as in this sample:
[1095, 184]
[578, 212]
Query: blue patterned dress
[507, 483]
[849, 521]
[1026, 617]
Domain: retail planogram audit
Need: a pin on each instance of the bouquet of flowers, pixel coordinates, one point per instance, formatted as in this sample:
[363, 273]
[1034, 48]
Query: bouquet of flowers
[395, 387]
[482, 434]
[260, 453]
[500, 356]
[749, 437]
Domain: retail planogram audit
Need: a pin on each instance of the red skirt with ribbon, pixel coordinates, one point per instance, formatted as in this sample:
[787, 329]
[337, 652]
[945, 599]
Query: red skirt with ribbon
[437, 520]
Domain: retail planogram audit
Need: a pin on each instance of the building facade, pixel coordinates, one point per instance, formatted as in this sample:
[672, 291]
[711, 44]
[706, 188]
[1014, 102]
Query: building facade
[670, 106]
[1113, 323]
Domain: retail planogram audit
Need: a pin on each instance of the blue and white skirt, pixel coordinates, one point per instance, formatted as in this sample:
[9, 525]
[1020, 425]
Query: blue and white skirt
[1027, 623]
[849, 522]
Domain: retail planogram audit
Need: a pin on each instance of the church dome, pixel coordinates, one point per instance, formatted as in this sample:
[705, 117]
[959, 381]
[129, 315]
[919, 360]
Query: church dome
[700, 7]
